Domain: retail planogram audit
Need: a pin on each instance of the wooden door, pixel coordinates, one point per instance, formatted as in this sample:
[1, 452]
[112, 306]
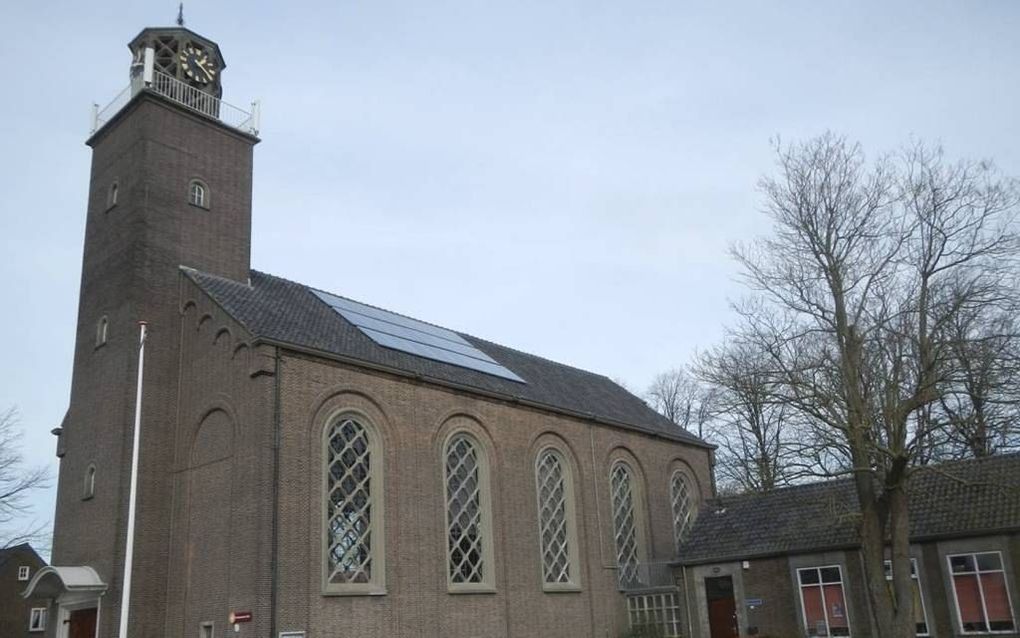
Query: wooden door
[722, 607]
[82, 623]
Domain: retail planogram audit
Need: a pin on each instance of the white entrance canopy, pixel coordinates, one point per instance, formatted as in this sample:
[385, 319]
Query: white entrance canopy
[52, 581]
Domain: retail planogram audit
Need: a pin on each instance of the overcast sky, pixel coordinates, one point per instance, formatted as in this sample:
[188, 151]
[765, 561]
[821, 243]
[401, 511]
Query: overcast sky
[563, 177]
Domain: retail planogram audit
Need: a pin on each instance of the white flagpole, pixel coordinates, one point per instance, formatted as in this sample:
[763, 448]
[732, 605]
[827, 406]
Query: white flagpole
[125, 597]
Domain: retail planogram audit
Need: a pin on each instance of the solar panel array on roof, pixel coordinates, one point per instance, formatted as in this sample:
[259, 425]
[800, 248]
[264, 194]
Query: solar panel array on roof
[408, 335]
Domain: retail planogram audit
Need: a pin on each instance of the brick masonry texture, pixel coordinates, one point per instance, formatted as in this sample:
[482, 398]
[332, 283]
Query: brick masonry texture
[414, 420]
[230, 490]
[130, 272]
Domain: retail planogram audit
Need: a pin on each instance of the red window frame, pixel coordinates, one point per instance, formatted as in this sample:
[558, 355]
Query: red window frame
[978, 610]
[823, 600]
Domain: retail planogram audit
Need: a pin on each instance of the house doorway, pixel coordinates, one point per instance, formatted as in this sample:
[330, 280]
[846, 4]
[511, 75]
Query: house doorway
[82, 623]
[722, 607]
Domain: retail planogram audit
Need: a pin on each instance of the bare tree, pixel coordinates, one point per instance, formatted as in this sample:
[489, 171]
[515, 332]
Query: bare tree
[754, 429]
[681, 398]
[981, 407]
[857, 291]
[17, 483]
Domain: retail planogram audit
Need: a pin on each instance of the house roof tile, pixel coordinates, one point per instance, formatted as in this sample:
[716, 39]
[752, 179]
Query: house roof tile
[972, 497]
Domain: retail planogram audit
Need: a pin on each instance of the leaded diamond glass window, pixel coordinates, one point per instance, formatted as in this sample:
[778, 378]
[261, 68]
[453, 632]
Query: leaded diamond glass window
[553, 523]
[683, 507]
[624, 523]
[466, 541]
[349, 503]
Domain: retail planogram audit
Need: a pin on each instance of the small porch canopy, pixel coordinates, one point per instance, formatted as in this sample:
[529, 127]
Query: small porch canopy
[52, 581]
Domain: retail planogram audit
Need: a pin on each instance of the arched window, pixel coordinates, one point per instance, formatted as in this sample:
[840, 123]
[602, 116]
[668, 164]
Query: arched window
[198, 194]
[556, 521]
[621, 488]
[102, 328]
[684, 507]
[353, 517]
[89, 487]
[111, 195]
[468, 519]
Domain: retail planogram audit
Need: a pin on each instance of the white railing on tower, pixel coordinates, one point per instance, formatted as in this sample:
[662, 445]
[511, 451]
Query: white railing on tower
[187, 96]
[101, 116]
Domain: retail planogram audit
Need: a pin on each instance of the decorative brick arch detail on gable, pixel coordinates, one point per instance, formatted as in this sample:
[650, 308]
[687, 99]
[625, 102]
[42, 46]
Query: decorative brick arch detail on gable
[223, 330]
[203, 322]
[241, 349]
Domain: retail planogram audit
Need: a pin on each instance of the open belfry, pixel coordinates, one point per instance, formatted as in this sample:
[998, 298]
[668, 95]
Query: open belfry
[245, 455]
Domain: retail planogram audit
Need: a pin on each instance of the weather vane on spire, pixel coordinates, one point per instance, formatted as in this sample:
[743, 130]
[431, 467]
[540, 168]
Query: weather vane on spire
[180, 15]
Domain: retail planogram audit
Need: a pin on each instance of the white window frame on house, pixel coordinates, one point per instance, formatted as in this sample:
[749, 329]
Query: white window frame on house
[37, 619]
[625, 500]
[981, 591]
[198, 194]
[684, 506]
[659, 610]
[468, 506]
[820, 585]
[111, 195]
[916, 577]
[206, 629]
[557, 521]
[24, 571]
[353, 539]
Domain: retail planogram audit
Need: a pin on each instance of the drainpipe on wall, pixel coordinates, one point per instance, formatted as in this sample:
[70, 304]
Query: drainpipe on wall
[687, 602]
[274, 553]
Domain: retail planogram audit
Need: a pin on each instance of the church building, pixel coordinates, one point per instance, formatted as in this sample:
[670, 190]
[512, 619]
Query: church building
[308, 465]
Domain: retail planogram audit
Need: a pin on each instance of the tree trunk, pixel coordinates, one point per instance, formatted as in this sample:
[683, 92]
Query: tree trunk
[891, 602]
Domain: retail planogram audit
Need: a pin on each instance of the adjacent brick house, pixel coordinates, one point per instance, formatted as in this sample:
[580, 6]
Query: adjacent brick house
[20, 617]
[787, 563]
[330, 467]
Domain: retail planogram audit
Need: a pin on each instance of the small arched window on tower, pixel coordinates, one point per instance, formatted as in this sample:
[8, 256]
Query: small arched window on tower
[89, 488]
[111, 195]
[102, 328]
[198, 194]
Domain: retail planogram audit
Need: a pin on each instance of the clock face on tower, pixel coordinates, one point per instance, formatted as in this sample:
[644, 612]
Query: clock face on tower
[196, 65]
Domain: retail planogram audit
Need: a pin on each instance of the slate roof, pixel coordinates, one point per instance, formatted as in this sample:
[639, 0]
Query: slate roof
[287, 312]
[7, 553]
[961, 498]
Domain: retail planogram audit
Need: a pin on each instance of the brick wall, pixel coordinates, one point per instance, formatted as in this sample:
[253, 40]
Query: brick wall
[414, 420]
[132, 253]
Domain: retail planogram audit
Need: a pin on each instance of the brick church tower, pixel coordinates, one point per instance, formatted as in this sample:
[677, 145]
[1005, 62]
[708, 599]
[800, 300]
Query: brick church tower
[170, 186]
[315, 466]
